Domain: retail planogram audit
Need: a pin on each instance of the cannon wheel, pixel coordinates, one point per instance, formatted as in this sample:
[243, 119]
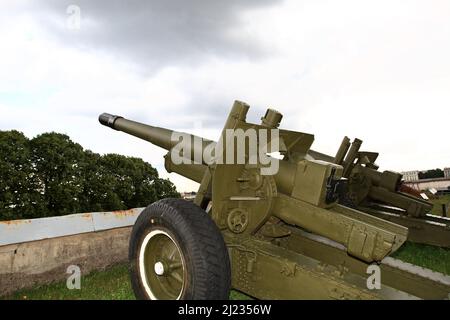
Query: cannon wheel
[177, 252]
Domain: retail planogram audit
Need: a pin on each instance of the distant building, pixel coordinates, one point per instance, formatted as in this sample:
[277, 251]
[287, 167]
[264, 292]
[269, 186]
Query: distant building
[447, 172]
[188, 195]
[411, 179]
[410, 175]
[439, 184]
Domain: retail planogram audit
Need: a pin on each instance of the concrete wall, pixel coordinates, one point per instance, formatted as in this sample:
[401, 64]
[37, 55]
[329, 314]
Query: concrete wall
[38, 251]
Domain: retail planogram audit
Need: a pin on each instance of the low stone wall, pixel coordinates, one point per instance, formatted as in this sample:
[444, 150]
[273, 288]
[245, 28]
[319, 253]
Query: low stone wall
[41, 260]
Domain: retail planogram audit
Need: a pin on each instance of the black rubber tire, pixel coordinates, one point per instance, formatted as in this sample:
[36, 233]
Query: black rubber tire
[200, 241]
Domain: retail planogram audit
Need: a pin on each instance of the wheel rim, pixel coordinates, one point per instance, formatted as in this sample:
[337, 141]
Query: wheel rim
[161, 266]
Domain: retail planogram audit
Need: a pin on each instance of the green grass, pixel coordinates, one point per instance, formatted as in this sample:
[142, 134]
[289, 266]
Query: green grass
[111, 284]
[431, 257]
[114, 284]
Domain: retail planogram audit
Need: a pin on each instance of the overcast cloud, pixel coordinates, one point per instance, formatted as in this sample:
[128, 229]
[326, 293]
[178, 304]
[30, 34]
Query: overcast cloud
[379, 71]
[157, 33]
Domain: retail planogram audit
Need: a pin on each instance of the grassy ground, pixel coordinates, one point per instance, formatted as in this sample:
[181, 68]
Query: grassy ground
[431, 257]
[114, 284]
[111, 284]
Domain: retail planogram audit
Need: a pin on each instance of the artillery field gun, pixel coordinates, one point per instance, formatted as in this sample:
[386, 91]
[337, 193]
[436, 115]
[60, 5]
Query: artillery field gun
[383, 195]
[273, 229]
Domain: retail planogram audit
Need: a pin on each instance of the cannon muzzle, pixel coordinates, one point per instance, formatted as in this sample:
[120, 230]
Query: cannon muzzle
[158, 136]
[108, 120]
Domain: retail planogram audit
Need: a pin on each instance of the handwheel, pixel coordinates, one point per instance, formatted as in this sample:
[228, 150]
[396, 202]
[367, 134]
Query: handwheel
[177, 253]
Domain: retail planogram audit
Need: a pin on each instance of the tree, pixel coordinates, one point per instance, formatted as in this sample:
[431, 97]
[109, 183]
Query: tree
[166, 189]
[51, 175]
[20, 196]
[135, 181]
[58, 162]
[98, 186]
[431, 174]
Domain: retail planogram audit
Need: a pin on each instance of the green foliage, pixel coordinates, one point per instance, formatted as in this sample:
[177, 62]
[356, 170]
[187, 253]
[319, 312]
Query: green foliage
[430, 174]
[58, 162]
[19, 187]
[51, 175]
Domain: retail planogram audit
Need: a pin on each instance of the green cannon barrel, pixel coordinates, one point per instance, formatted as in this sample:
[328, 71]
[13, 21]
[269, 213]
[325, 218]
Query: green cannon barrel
[161, 137]
[166, 139]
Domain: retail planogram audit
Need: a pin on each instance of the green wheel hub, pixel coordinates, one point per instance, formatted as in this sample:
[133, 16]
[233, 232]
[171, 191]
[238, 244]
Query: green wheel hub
[162, 266]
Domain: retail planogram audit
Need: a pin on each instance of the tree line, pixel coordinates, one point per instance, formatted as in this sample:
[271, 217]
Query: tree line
[431, 174]
[50, 175]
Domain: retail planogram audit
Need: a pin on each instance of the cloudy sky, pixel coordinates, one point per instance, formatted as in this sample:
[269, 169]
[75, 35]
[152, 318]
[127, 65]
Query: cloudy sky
[376, 70]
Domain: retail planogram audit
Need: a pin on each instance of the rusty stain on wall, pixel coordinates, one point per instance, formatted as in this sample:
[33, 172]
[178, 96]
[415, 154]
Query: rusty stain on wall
[13, 223]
